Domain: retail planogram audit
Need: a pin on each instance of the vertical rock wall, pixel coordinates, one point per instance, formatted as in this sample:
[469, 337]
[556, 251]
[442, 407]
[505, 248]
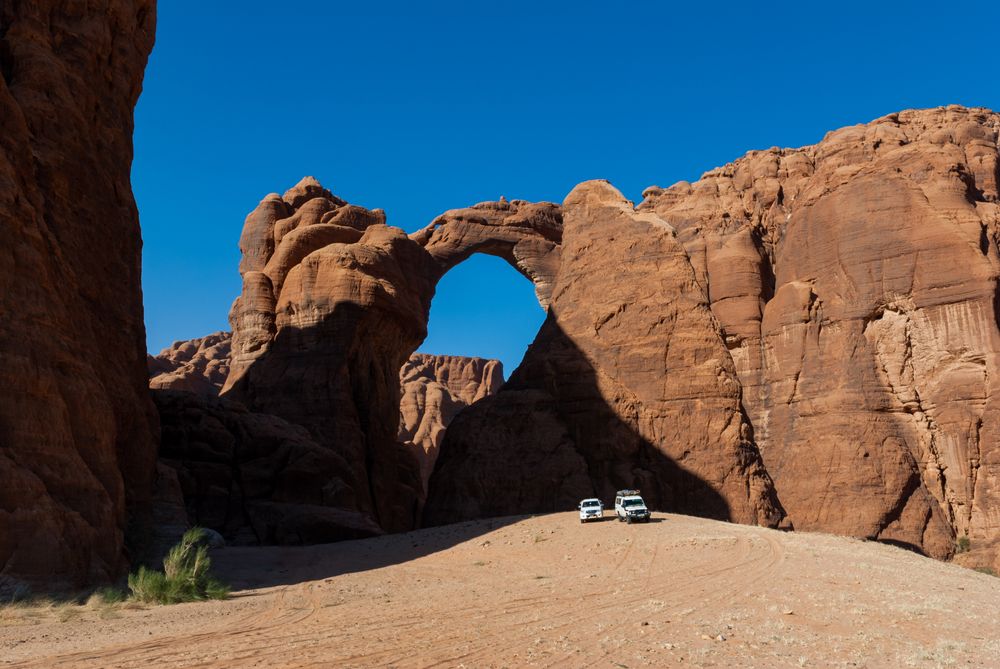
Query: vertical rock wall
[77, 444]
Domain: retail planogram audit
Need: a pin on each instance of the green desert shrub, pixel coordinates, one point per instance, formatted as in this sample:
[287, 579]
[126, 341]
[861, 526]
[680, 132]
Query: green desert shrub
[184, 578]
[986, 570]
[962, 545]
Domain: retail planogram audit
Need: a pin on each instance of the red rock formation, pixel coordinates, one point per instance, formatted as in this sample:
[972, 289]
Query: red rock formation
[827, 312]
[76, 425]
[199, 366]
[334, 302]
[433, 389]
[855, 282]
[628, 384]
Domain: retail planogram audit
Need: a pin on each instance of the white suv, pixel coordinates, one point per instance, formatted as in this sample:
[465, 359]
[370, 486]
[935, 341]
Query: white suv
[591, 509]
[630, 507]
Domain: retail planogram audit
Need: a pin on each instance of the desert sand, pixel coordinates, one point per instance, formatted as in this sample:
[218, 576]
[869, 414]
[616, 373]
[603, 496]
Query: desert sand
[548, 591]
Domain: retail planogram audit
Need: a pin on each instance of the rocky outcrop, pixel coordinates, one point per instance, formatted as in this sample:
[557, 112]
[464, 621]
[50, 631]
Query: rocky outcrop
[334, 302]
[628, 384]
[198, 366]
[200, 434]
[76, 425]
[433, 389]
[855, 284]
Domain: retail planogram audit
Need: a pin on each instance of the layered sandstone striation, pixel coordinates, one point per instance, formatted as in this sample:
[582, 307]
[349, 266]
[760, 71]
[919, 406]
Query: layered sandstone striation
[77, 428]
[199, 366]
[628, 384]
[433, 389]
[855, 286]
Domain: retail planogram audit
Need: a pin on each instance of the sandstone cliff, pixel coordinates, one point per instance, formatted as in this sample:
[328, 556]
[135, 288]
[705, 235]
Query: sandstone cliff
[76, 425]
[330, 311]
[433, 388]
[628, 384]
[803, 336]
[855, 285]
[255, 478]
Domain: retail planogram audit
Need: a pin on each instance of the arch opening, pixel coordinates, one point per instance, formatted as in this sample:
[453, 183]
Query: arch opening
[483, 316]
[483, 308]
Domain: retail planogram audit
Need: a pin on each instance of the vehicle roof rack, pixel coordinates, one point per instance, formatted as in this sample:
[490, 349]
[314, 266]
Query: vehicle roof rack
[626, 493]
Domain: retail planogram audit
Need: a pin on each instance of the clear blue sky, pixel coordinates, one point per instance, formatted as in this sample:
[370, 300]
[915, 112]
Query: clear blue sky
[422, 107]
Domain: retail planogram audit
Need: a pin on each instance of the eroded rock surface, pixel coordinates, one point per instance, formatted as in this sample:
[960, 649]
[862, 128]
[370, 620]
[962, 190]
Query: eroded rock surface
[806, 334]
[77, 428]
[200, 433]
[855, 283]
[433, 389]
[199, 365]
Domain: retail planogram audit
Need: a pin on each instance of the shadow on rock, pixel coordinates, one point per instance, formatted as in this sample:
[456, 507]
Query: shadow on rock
[550, 438]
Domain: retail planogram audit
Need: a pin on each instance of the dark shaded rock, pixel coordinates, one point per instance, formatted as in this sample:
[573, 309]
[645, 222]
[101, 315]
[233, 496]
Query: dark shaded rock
[254, 478]
[77, 429]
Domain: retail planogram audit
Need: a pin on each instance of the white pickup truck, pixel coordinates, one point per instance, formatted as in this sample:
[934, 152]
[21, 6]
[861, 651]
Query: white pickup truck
[630, 507]
[591, 509]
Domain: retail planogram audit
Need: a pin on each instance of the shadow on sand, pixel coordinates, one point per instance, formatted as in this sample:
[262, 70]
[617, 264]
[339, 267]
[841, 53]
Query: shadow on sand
[246, 567]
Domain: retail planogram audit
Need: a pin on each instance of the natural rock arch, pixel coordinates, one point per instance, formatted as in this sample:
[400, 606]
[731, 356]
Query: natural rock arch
[334, 302]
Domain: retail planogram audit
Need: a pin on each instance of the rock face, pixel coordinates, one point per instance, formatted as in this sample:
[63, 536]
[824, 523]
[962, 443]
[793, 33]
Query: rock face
[334, 302]
[257, 479]
[77, 428]
[433, 389]
[628, 384]
[855, 285]
[199, 366]
[245, 474]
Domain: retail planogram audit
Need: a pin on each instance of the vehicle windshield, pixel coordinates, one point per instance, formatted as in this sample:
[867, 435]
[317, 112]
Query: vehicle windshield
[635, 501]
[592, 503]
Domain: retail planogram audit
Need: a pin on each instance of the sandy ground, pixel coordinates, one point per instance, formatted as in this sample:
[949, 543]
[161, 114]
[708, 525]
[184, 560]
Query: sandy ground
[548, 591]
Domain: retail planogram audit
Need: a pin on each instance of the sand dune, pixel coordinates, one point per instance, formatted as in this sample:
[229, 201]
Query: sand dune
[548, 591]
